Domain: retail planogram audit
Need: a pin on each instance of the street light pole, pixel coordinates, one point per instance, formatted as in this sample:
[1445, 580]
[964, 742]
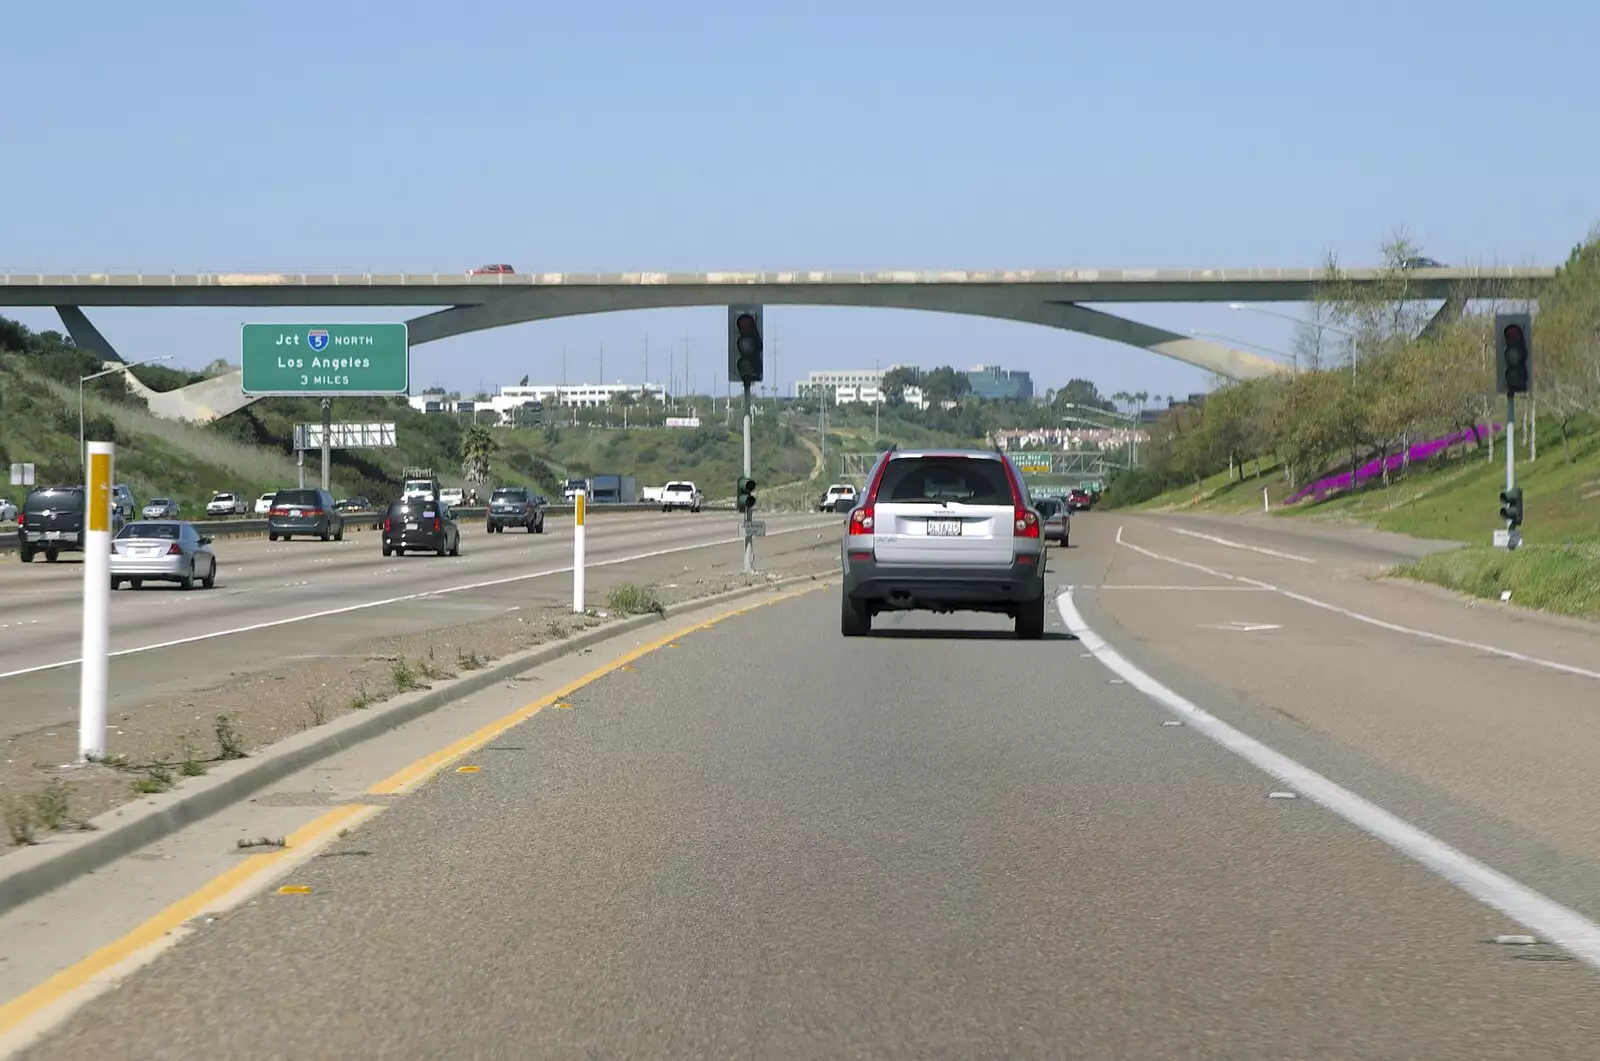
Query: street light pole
[82, 457]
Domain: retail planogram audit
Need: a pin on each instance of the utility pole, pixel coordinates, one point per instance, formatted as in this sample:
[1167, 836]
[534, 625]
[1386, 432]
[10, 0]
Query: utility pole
[327, 430]
[647, 359]
[602, 364]
[688, 378]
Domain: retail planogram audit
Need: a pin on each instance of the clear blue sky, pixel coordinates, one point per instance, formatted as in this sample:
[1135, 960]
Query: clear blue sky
[178, 136]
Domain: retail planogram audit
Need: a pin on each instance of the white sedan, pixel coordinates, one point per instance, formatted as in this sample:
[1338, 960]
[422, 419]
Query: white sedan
[162, 550]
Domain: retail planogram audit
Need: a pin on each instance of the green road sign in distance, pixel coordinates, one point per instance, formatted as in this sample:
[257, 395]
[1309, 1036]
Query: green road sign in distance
[1034, 465]
[325, 359]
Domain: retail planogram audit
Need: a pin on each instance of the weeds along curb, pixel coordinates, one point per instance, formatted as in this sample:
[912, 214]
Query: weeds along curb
[30, 872]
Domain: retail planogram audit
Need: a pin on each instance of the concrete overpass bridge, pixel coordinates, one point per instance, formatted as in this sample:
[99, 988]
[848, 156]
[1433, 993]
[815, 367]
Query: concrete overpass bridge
[1052, 298]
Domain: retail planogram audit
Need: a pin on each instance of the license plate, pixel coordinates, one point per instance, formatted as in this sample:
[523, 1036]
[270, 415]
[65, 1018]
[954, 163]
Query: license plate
[52, 536]
[944, 528]
[411, 526]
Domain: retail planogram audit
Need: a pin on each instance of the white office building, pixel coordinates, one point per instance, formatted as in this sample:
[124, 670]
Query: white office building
[849, 386]
[588, 395]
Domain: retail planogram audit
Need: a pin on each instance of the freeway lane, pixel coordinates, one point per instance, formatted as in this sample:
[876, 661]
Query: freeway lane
[261, 582]
[934, 842]
[276, 601]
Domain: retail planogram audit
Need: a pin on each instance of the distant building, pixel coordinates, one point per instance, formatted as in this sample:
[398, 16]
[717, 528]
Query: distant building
[993, 383]
[849, 386]
[516, 397]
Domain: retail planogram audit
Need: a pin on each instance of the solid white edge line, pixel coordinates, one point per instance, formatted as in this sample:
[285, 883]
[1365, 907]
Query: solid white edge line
[1237, 545]
[1552, 921]
[1383, 624]
[346, 609]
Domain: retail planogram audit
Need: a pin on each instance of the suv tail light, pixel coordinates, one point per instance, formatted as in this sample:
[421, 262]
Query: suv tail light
[863, 516]
[388, 525]
[20, 518]
[437, 525]
[1026, 521]
[277, 512]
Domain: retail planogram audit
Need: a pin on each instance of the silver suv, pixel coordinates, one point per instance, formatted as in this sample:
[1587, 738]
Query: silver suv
[944, 531]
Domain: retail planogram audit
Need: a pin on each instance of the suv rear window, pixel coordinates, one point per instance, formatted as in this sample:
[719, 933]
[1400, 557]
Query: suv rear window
[510, 494]
[296, 497]
[413, 507]
[934, 479]
[55, 500]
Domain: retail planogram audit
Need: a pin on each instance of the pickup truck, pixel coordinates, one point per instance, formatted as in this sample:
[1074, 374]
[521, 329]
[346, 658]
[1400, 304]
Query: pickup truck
[225, 504]
[681, 493]
[836, 493]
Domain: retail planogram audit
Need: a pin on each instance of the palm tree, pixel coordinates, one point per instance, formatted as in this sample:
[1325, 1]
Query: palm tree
[477, 447]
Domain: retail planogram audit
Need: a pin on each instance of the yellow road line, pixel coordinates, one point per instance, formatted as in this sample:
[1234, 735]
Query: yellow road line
[246, 876]
[410, 777]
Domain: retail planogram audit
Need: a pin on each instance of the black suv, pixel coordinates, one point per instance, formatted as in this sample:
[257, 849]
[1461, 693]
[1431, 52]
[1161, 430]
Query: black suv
[51, 521]
[304, 512]
[515, 506]
[420, 523]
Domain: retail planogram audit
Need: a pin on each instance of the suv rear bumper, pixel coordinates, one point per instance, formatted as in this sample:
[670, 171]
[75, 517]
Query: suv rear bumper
[895, 586]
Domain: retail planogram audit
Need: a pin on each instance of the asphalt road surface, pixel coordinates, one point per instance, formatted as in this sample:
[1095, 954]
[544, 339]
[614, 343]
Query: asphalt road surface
[935, 842]
[274, 600]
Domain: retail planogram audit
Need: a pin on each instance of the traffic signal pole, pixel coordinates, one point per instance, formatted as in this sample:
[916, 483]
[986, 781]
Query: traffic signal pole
[1513, 376]
[749, 536]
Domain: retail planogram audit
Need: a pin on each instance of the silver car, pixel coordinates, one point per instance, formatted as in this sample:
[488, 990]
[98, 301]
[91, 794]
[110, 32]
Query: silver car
[160, 508]
[944, 531]
[162, 550]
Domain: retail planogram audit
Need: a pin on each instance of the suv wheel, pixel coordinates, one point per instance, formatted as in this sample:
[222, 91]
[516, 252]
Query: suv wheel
[854, 619]
[1030, 620]
[26, 555]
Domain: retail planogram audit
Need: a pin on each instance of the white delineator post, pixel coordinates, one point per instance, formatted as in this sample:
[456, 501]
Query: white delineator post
[577, 551]
[94, 671]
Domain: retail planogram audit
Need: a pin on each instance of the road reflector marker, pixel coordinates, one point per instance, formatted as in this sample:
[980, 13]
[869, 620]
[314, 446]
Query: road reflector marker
[1516, 941]
[468, 769]
[295, 889]
[630, 667]
[1172, 722]
[563, 707]
[1282, 795]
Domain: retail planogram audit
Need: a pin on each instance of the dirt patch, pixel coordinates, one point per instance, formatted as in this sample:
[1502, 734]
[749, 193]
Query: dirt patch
[158, 743]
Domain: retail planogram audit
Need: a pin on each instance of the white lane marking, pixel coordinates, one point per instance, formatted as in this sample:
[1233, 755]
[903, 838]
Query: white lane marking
[1240, 627]
[401, 599]
[1552, 921]
[1428, 635]
[1193, 589]
[1237, 545]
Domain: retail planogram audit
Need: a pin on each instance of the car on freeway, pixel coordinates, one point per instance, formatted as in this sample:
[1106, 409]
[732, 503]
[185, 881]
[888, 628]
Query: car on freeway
[122, 501]
[162, 550]
[307, 513]
[835, 494]
[8, 510]
[681, 493]
[515, 506]
[452, 496]
[359, 503]
[420, 524]
[1079, 500]
[943, 531]
[1057, 519]
[492, 270]
[51, 522]
[264, 503]
[1421, 263]
[159, 508]
[225, 504]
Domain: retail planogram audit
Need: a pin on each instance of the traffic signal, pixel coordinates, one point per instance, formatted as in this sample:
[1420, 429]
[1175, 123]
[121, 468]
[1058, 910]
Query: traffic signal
[746, 501]
[1513, 353]
[745, 363]
[1511, 506]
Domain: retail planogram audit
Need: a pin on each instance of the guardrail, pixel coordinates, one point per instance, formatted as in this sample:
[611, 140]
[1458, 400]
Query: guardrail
[243, 528]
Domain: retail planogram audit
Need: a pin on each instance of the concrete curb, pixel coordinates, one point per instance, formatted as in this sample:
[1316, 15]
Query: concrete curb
[31, 872]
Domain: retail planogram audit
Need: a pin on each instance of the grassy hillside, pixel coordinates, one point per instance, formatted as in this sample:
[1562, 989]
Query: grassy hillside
[1455, 499]
[250, 450]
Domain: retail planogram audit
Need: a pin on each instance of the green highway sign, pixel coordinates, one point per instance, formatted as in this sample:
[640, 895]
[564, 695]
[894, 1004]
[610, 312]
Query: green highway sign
[1034, 463]
[325, 360]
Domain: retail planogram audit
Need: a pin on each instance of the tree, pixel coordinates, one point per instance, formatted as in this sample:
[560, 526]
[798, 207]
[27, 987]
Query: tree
[524, 381]
[895, 382]
[1081, 392]
[477, 448]
[945, 384]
